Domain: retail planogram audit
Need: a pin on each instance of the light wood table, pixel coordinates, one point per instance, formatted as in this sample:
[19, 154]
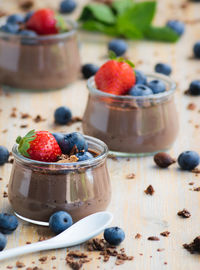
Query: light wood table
[133, 210]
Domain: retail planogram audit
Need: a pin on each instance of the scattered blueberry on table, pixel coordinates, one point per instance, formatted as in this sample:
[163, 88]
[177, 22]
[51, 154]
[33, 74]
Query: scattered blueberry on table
[60, 221]
[8, 223]
[67, 6]
[157, 86]
[82, 156]
[140, 90]
[118, 46]
[140, 77]
[4, 155]
[62, 115]
[177, 26]
[188, 160]
[89, 70]
[114, 235]
[3, 241]
[194, 88]
[196, 49]
[163, 68]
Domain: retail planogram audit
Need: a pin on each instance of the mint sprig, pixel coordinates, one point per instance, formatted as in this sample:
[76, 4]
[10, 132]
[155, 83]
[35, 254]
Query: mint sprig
[61, 24]
[24, 142]
[113, 56]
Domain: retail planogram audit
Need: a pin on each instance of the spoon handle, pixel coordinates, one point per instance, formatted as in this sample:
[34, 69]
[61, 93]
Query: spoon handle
[13, 252]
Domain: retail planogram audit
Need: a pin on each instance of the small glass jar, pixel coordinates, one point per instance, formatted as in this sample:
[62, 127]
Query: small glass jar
[132, 126]
[38, 189]
[41, 62]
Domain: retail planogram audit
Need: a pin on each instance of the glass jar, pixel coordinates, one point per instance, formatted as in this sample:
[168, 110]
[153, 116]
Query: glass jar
[132, 126]
[38, 189]
[39, 63]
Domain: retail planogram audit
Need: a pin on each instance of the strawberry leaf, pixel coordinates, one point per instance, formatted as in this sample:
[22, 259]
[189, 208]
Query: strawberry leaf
[24, 142]
[61, 24]
[113, 56]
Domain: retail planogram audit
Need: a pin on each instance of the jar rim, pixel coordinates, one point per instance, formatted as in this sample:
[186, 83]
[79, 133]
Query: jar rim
[73, 24]
[69, 165]
[172, 87]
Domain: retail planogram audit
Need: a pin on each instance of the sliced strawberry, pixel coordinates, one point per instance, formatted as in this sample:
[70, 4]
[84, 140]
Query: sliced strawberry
[115, 77]
[39, 145]
[43, 22]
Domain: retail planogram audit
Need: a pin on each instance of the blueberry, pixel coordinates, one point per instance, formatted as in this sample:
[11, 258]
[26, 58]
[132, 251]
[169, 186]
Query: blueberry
[140, 77]
[59, 137]
[140, 90]
[10, 28]
[15, 18]
[194, 88]
[118, 46]
[62, 115]
[60, 221]
[163, 68]
[73, 139]
[196, 49]
[8, 223]
[28, 16]
[89, 70]
[3, 241]
[157, 86]
[114, 235]
[67, 6]
[27, 33]
[188, 160]
[84, 156]
[177, 26]
[4, 155]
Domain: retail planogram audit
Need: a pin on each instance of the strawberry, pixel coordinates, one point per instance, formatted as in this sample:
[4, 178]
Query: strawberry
[39, 145]
[115, 77]
[43, 22]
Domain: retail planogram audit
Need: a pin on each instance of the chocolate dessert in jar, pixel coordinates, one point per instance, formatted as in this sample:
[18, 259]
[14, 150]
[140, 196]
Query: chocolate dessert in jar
[33, 58]
[136, 123]
[77, 184]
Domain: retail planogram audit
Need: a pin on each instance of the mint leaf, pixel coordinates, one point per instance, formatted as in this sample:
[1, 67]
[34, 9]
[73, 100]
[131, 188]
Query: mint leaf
[99, 12]
[161, 34]
[137, 19]
[121, 5]
[92, 25]
[61, 24]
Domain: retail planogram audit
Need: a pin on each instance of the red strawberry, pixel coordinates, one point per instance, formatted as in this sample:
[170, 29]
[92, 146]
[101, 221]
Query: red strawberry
[115, 77]
[39, 145]
[43, 22]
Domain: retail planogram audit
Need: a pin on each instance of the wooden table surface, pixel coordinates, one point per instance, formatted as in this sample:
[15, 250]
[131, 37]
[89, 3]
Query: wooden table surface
[133, 210]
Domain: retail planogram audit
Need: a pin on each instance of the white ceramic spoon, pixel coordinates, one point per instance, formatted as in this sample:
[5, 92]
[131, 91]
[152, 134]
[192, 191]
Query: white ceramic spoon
[78, 233]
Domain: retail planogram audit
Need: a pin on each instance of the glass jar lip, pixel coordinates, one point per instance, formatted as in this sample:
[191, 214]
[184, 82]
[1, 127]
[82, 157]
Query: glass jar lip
[59, 36]
[172, 87]
[86, 163]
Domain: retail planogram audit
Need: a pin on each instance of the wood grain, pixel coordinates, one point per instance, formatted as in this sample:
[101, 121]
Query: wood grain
[134, 211]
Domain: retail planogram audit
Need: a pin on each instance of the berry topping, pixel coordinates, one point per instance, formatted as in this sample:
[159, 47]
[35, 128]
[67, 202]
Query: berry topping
[43, 22]
[10, 28]
[89, 70]
[3, 241]
[114, 235]
[176, 26]
[4, 155]
[163, 68]
[39, 145]
[115, 77]
[157, 86]
[58, 136]
[188, 160]
[194, 88]
[15, 18]
[140, 90]
[8, 223]
[60, 221]
[84, 156]
[118, 46]
[62, 115]
[196, 49]
[140, 77]
[67, 6]
[28, 33]
[71, 141]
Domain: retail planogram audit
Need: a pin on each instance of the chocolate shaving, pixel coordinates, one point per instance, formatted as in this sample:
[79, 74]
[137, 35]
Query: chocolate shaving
[153, 238]
[184, 213]
[150, 190]
[194, 246]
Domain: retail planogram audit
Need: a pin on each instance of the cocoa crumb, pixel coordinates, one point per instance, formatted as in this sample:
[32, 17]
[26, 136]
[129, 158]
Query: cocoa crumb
[74, 120]
[130, 176]
[1, 178]
[4, 131]
[165, 234]
[138, 236]
[20, 264]
[3, 13]
[77, 254]
[191, 106]
[13, 114]
[160, 249]
[113, 157]
[28, 242]
[5, 194]
[26, 4]
[9, 267]
[119, 262]
[149, 190]
[196, 170]
[163, 160]
[184, 213]
[24, 126]
[196, 189]
[25, 115]
[191, 183]
[196, 126]
[43, 259]
[194, 246]
[165, 263]
[42, 238]
[11, 160]
[38, 119]
[53, 258]
[153, 238]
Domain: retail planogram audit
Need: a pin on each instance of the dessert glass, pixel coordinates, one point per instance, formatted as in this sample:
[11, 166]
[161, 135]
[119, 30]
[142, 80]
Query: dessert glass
[38, 189]
[132, 126]
[39, 63]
